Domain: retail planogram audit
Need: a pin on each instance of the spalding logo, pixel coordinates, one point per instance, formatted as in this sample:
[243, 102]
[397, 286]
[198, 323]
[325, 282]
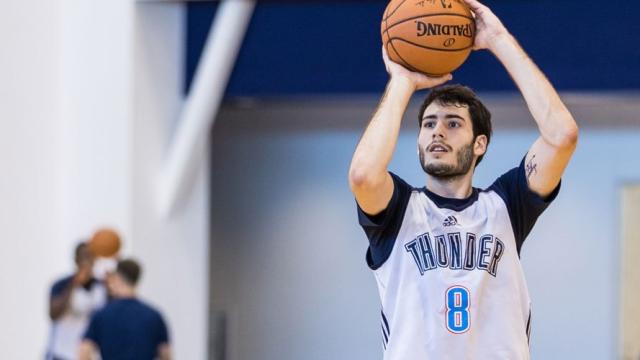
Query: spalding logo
[449, 42]
[429, 29]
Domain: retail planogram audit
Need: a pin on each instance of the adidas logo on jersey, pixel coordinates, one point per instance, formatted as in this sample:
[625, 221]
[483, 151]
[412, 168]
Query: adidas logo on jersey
[450, 221]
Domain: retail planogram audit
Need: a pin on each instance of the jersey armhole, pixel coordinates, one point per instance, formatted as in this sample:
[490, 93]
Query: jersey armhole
[523, 205]
[382, 229]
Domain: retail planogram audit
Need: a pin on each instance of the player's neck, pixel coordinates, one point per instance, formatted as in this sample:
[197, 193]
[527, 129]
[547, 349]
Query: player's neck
[453, 188]
[126, 293]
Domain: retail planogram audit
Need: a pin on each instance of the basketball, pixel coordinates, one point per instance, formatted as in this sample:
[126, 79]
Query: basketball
[433, 37]
[105, 243]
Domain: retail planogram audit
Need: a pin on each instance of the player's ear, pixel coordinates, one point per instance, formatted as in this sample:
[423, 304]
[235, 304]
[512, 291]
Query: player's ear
[480, 145]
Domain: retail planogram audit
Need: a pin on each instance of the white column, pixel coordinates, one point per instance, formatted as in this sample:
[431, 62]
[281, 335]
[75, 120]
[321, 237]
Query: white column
[31, 246]
[97, 98]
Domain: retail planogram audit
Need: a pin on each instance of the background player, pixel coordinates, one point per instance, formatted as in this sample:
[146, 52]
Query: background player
[126, 328]
[72, 301]
[446, 257]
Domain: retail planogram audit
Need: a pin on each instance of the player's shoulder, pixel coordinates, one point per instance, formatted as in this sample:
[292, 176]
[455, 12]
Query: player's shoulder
[150, 314]
[399, 182]
[62, 281]
[510, 184]
[60, 284]
[140, 307]
[402, 191]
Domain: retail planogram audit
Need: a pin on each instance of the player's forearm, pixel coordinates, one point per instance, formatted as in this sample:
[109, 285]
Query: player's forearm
[375, 149]
[86, 350]
[555, 122]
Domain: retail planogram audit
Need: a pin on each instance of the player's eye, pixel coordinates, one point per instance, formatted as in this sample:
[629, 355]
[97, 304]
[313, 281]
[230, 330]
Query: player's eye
[429, 124]
[454, 124]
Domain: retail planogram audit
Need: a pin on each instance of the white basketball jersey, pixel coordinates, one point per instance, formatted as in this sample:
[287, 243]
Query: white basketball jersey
[67, 331]
[449, 274]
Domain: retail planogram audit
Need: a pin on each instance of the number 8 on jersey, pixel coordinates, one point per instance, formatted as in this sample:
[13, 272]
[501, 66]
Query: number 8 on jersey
[457, 302]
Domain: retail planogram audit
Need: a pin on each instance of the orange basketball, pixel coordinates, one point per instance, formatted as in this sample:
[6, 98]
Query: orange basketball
[105, 243]
[429, 36]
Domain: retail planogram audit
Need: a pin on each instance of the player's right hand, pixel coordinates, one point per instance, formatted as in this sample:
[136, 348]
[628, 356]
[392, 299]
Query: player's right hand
[83, 275]
[420, 81]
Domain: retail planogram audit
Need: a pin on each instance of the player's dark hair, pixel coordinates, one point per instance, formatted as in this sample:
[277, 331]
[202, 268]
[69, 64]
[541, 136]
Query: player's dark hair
[459, 95]
[129, 270]
[79, 247]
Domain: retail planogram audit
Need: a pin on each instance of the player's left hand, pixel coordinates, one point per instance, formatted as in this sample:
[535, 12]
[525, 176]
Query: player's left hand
[418, 80]
[489, 29]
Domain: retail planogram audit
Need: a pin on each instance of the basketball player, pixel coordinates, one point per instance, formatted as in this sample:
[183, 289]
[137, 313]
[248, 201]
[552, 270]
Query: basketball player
[446, 256]
[72, 301]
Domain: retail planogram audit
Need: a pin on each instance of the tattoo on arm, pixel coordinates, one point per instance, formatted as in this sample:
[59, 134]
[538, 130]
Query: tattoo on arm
[531, 167]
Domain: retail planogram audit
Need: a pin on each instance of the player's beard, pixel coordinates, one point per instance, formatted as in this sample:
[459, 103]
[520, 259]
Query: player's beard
[464, 160]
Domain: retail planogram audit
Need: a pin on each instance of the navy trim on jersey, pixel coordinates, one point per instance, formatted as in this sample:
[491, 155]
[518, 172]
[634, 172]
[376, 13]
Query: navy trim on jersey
[61, 285]
[385, 323]
[451, 203]
[384, 335]
[383, 228]
[386, 332]
[528, 328]
[524, 206]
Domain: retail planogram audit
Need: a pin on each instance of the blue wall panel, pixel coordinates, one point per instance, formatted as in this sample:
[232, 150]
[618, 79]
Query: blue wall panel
[328, 47]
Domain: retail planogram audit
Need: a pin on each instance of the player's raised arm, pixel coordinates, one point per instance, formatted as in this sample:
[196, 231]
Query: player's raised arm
[368, 176]
[550, 153]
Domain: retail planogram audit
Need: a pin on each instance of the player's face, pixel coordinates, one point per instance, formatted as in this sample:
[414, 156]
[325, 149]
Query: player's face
[445, 142]
[84, 257]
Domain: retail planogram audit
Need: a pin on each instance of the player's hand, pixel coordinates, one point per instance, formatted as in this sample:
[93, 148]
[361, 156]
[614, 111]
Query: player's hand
[489, 29]
[83, 275]
[419, 81]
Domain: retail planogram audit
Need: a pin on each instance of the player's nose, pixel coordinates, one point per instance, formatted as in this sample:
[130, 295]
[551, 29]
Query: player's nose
[439, 131]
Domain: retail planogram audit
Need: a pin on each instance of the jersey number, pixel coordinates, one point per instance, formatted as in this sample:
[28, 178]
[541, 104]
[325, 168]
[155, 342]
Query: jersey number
[457, 299]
